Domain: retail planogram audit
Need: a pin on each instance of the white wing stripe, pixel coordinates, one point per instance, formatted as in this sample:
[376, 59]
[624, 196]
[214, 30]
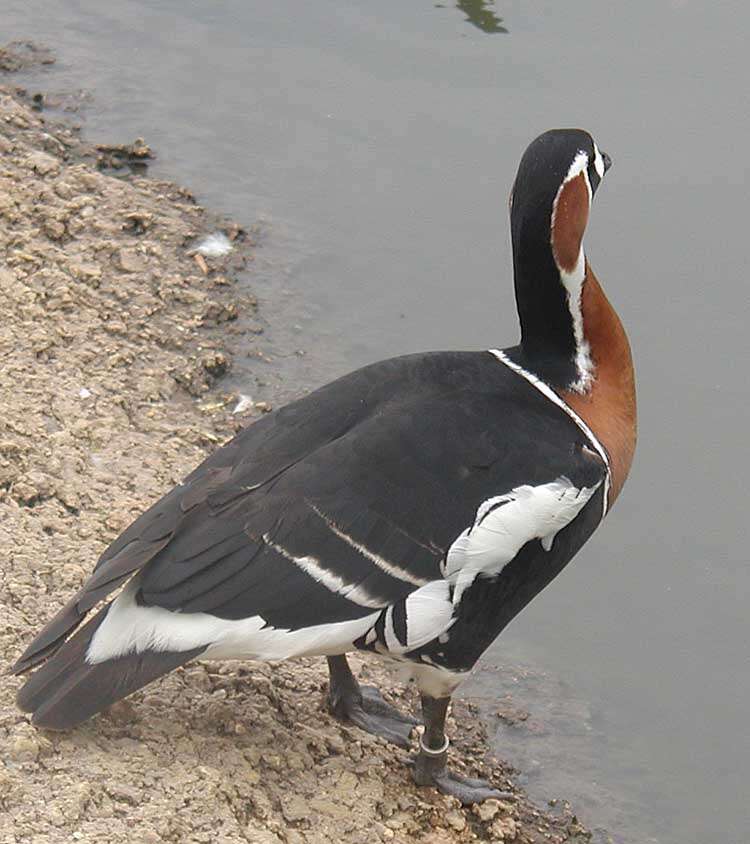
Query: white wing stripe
[310, 565]
[384, 565]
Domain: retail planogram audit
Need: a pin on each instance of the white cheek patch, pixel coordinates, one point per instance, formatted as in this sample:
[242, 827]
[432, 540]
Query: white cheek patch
[598, 162]
[580, 165]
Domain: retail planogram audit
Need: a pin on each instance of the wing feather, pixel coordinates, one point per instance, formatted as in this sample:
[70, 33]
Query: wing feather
[354, 492]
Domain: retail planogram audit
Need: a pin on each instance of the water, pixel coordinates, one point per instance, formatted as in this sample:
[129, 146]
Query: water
[378, 142]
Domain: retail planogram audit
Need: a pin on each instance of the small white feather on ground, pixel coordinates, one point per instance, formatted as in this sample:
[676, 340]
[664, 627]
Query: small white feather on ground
[216, 245]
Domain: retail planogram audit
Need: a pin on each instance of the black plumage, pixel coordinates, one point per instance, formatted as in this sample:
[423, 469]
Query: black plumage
[398, 455]
[411, 508]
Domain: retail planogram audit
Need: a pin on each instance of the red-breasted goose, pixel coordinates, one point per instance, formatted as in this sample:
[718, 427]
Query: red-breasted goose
[410, 509]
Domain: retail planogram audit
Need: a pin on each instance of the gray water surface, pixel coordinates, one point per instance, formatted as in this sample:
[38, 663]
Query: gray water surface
[378, 143]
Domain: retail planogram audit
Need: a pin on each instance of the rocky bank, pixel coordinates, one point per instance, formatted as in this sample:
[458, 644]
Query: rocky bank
[115, 331]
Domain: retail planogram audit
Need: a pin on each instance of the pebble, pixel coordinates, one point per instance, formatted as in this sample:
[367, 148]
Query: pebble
[486, 811]
[124, 793]
[331, 808]
[42, 163]
[130, 261]
[456, 820]
[504, 829]
[24, 748]
[294, 808]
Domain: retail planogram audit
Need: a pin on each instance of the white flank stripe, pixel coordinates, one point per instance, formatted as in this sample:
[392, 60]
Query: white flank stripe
[252, 639]
[385, 565]
[499, 532]
[549, 393]
[132, 628]
[429, 614]
[351, 591]
[389, 634]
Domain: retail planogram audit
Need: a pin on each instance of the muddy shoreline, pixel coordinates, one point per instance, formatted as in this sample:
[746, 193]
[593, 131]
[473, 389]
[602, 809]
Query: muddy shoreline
[115, 332]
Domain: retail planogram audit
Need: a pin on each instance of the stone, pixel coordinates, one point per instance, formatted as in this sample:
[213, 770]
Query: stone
[124, 793]
[486, 811]
[54, 229]
[335, 744]
[330, 808]
[130, 261]
[456, 820]
[24, 748]
[42, 163]
[504, 829]
[218, 312]
[294, 808]
[89, 273]
[216, 364]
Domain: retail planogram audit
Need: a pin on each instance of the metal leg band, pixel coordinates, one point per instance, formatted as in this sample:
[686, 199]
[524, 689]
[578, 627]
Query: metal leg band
[428, 751]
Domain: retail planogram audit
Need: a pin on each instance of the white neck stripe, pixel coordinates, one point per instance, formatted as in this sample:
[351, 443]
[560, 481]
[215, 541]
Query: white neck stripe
[573, 281]
[549, 393]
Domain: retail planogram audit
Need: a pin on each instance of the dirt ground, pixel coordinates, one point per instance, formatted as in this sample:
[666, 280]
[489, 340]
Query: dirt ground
[114, 335]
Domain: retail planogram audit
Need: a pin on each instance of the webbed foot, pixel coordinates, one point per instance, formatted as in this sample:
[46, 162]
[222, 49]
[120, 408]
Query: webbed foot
[365, 706]
[430, 768]
[430, 765]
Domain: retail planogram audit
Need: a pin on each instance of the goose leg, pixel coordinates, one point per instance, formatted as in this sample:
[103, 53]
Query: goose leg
[430, 766]
[365, 706]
